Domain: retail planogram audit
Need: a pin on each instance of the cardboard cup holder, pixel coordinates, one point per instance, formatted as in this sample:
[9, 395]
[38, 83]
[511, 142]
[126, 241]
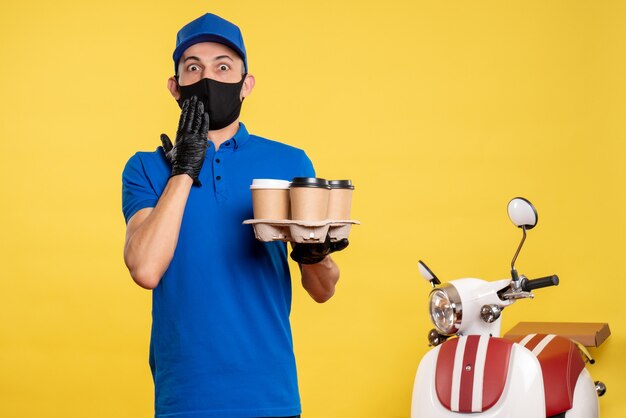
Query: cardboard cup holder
[310, 200]
[301, 232]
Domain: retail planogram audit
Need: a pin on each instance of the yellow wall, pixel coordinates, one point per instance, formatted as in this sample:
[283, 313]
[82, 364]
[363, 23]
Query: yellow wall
[439, 111]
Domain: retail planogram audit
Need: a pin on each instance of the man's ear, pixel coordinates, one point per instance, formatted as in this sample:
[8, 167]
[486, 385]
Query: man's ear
[248, 85]
[172, 86]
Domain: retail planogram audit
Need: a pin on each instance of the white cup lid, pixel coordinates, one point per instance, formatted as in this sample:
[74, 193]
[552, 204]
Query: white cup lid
[269, 184]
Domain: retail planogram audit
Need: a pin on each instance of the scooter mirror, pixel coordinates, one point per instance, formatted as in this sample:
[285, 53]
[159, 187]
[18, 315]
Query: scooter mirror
[522, 213]
[427, 273]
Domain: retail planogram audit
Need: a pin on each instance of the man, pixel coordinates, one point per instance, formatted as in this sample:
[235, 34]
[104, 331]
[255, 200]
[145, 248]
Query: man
[221, 343]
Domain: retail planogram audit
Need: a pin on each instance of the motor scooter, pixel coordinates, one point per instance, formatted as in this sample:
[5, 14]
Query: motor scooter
[471, 370]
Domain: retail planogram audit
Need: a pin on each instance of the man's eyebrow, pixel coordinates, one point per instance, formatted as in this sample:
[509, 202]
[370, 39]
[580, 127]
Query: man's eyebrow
[194, 58]
[223, 56]
[191, 57]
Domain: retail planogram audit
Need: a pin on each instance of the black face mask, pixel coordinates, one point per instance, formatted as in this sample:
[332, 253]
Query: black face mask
[221, 100]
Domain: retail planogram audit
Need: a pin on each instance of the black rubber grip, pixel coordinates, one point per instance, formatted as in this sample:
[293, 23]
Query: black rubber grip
[528, 285]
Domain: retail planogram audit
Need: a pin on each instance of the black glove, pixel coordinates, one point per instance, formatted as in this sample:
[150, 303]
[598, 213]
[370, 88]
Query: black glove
[187, 156]
[314, 253]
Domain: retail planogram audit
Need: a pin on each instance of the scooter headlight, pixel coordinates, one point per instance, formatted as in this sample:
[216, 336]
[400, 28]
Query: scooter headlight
[445, 309]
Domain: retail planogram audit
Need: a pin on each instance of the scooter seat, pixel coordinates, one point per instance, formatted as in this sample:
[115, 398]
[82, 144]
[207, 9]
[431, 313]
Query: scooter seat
[561, 365]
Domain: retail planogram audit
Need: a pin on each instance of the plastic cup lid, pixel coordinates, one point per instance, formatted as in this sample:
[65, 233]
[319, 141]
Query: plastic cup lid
[341, 184]
[310, 182]
[269, 184]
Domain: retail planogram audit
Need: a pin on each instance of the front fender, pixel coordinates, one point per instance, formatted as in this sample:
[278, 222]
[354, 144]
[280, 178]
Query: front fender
[522, 396]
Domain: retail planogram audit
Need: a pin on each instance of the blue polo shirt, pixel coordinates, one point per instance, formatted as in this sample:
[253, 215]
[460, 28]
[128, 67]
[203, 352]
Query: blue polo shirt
[221, 343]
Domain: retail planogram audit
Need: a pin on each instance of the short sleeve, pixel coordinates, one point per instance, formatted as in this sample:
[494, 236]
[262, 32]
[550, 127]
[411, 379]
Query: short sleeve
[306, 167]
[137, 193]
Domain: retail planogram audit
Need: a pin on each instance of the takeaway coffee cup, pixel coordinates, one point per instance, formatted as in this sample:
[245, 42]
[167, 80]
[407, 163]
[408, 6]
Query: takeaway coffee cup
[270, 199]
[340, 200]
[309, 198]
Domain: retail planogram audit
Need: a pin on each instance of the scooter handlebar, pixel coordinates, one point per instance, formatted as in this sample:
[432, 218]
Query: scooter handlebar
[528, 285]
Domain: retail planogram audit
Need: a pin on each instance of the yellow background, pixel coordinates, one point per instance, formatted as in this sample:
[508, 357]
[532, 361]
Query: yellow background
[439, 111]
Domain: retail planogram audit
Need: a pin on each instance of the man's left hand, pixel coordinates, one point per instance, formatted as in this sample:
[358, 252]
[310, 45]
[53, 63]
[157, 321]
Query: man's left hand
[314, 253]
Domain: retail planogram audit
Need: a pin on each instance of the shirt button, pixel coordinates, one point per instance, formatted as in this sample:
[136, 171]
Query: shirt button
[218, 178]
[217, 160]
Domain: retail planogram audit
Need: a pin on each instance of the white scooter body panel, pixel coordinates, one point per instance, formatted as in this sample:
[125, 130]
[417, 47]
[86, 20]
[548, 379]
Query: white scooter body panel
[585, 402]
[474, 294]
[522, 397]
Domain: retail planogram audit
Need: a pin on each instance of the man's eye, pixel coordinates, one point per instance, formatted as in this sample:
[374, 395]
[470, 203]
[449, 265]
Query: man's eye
[224, 67]
[193, 67]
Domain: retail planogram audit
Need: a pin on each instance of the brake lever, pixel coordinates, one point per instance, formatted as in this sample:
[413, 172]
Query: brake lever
[515, 290]
[517, 294]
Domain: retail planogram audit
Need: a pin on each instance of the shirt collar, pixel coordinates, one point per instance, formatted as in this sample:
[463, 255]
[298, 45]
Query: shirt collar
[241, 137]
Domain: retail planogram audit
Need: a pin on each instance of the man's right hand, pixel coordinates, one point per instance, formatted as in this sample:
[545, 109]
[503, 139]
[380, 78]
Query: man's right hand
[187, 156]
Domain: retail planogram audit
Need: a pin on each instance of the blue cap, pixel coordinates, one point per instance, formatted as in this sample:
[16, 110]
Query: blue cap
[209, 28]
